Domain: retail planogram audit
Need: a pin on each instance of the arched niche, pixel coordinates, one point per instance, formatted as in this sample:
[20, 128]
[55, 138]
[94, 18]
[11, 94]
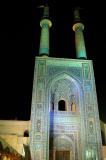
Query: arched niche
[62, 105]
[26, 133]
[64, 144]
[62, 88]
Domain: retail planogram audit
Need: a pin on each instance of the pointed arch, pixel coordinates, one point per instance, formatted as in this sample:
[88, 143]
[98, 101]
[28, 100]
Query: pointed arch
[63, 138]
[64, 143]
[65, 83]
[64, 76]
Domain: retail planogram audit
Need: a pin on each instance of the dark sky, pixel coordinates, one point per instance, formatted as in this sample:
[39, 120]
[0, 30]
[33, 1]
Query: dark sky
[19, 35]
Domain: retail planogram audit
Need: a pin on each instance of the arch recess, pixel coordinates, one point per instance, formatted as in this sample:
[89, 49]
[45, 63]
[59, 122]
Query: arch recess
[62, 87]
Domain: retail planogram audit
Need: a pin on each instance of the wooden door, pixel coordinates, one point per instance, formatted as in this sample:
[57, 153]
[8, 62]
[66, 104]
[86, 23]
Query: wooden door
[62, 155]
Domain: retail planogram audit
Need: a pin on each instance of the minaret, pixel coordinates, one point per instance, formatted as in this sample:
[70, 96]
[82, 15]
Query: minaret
[45, 24]
[78, 27]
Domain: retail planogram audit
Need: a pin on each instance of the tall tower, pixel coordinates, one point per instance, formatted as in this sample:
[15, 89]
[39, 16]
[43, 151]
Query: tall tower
[78, 27]
[64, 114]
[45, 24]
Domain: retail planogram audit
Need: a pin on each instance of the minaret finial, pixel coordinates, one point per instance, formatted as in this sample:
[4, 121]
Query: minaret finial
[76, 14]
[46, 11]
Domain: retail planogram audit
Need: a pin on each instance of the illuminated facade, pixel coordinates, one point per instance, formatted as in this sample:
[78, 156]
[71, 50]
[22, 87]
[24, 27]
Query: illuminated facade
[64, 115]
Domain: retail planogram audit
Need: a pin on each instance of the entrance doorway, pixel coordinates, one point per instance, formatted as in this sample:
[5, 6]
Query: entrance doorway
[62, 155]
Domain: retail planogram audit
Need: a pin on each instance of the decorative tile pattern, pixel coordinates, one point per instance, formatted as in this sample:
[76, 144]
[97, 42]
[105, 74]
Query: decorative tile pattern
[51, 129]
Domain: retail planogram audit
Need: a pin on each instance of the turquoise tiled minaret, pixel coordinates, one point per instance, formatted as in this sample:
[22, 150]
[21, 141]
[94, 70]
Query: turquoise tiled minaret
[78, 27]
[45, 24]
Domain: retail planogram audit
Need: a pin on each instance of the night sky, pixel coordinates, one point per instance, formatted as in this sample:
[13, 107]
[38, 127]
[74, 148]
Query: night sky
[19, 44]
